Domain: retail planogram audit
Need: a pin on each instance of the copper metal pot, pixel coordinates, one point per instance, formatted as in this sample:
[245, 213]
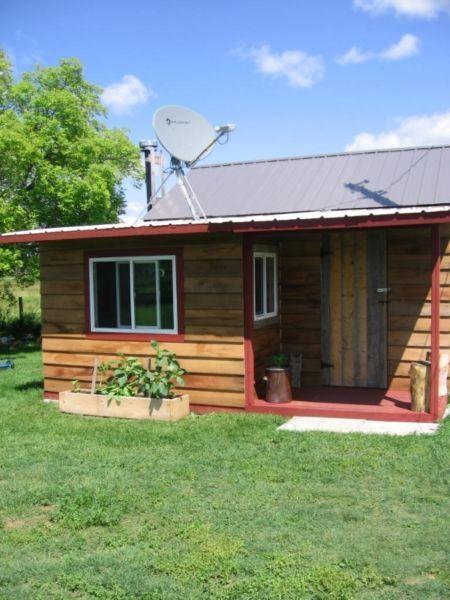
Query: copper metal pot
[278, 385]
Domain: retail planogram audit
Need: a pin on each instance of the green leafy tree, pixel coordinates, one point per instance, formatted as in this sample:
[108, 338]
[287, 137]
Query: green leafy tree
[59, 162]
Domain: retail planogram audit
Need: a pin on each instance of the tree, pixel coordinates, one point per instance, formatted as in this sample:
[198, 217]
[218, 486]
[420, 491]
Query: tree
[59, 162]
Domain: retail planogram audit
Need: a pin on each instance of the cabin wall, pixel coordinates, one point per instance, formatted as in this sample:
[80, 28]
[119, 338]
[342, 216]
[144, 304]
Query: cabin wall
[213, 346]
[266, 343]
[409, 275]
[445, 291]
[300, 299]
[212, 350]
[409, 308]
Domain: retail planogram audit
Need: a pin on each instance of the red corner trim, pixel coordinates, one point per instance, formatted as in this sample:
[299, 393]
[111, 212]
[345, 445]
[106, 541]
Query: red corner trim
[158, 337]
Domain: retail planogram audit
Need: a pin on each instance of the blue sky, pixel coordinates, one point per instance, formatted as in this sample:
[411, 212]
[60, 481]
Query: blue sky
[296, 77]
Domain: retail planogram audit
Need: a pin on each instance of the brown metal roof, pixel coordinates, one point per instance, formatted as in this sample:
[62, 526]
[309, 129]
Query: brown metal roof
[353, 180]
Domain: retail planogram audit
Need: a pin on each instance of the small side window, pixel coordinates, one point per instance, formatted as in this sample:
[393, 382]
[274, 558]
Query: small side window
[265, 285]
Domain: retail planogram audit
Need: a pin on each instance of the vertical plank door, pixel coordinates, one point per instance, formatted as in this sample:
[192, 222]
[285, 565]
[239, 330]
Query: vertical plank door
[354, 309]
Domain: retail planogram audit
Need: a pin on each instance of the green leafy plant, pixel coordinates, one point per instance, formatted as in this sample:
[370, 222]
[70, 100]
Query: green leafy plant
[128, 377]
[76, 387]
[279, 360]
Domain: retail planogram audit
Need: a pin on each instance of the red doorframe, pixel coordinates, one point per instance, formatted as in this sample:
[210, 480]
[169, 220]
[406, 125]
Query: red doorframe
[436, 403]
[249, 359]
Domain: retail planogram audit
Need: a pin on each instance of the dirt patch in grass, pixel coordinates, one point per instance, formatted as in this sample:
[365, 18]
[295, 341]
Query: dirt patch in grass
[421, 579]
[42, 516]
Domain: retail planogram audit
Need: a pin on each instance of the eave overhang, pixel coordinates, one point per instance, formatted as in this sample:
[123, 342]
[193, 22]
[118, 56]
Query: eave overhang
[325, 220]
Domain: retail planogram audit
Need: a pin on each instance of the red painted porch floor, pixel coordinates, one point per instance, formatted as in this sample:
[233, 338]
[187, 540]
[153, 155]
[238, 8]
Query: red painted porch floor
[346, 403]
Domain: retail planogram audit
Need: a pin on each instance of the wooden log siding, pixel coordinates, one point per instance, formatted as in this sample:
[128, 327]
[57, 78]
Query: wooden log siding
[266, 343]
[445, 291]
[409, 308]
[300, 268]
[212, 350]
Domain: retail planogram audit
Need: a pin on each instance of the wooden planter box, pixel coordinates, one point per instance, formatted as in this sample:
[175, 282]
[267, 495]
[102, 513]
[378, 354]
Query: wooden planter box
[97, 405]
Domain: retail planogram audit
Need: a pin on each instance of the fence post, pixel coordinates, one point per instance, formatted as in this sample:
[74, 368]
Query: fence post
[21, 309]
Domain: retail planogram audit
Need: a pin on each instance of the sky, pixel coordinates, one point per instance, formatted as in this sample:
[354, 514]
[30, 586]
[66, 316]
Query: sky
[296, 77]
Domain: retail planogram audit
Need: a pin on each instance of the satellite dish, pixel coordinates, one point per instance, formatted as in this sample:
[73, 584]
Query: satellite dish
[185, 134]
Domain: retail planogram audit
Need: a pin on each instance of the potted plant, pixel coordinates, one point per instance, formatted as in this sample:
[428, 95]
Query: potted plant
[128, 390]
[278, 379]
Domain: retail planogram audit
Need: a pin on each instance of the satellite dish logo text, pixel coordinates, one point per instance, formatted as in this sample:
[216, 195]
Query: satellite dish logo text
[172, 122]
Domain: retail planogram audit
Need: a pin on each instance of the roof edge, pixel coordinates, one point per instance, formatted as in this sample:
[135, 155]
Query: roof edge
[306, 220]
[322, 155]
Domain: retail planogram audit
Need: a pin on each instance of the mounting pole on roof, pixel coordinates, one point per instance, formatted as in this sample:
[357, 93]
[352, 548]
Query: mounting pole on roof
[188, 138]
[148, 148]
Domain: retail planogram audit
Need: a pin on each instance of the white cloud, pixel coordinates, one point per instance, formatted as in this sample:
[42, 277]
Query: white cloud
[421, 130]
[135, 209]
[407, 46]
[297, 67]
[426, 9]
[355, 56]
[125, 94]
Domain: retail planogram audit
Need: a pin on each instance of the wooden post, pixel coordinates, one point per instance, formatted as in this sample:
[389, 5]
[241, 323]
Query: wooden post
[21, 309]
[435, 319]
[94, 376]
[419, 373]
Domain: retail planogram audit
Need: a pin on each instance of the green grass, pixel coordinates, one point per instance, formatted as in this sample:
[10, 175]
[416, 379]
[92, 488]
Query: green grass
[216, 506]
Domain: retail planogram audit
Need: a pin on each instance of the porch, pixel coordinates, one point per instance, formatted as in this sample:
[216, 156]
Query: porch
[359, 306]
[345, 403]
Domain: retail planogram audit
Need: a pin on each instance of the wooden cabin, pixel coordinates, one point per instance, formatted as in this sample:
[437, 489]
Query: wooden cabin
[342, 258]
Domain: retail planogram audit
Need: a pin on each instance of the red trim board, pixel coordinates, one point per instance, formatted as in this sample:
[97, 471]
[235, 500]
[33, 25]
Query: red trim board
[348, 222]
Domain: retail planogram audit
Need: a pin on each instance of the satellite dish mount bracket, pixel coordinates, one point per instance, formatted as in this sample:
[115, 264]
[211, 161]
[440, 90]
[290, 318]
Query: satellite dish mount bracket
[188, 192]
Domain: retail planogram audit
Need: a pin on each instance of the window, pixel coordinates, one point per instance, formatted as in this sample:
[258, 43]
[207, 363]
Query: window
[265, 299]
[133, 294]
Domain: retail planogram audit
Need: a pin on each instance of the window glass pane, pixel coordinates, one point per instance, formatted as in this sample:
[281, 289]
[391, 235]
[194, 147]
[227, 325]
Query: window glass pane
[145, 296]
[270, 283]
[259, 283]
[166, 293]
[123, 272]
[105, 294]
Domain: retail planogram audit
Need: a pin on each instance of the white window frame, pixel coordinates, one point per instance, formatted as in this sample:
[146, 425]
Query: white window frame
[131, 260]
[265, 314]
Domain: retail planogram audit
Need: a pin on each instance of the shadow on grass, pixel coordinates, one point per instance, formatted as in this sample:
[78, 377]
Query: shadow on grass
[7, 351]
[36, 384]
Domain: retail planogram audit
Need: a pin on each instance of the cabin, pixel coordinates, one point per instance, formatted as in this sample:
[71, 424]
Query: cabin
[344, 258]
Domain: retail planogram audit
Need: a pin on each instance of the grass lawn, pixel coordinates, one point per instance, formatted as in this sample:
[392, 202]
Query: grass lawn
[216, 506]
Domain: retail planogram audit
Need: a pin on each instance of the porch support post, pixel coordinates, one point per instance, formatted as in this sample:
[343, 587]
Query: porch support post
[249, 364]
[435, 319]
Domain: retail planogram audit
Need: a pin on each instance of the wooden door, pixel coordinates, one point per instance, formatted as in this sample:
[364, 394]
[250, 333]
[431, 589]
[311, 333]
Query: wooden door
[354, 309]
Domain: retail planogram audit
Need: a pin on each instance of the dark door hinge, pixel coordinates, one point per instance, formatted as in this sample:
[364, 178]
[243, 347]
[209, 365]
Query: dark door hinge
[324, 365]
[325, 253]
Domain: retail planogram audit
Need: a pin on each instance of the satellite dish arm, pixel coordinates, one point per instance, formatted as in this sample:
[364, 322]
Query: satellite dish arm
[220, 133]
